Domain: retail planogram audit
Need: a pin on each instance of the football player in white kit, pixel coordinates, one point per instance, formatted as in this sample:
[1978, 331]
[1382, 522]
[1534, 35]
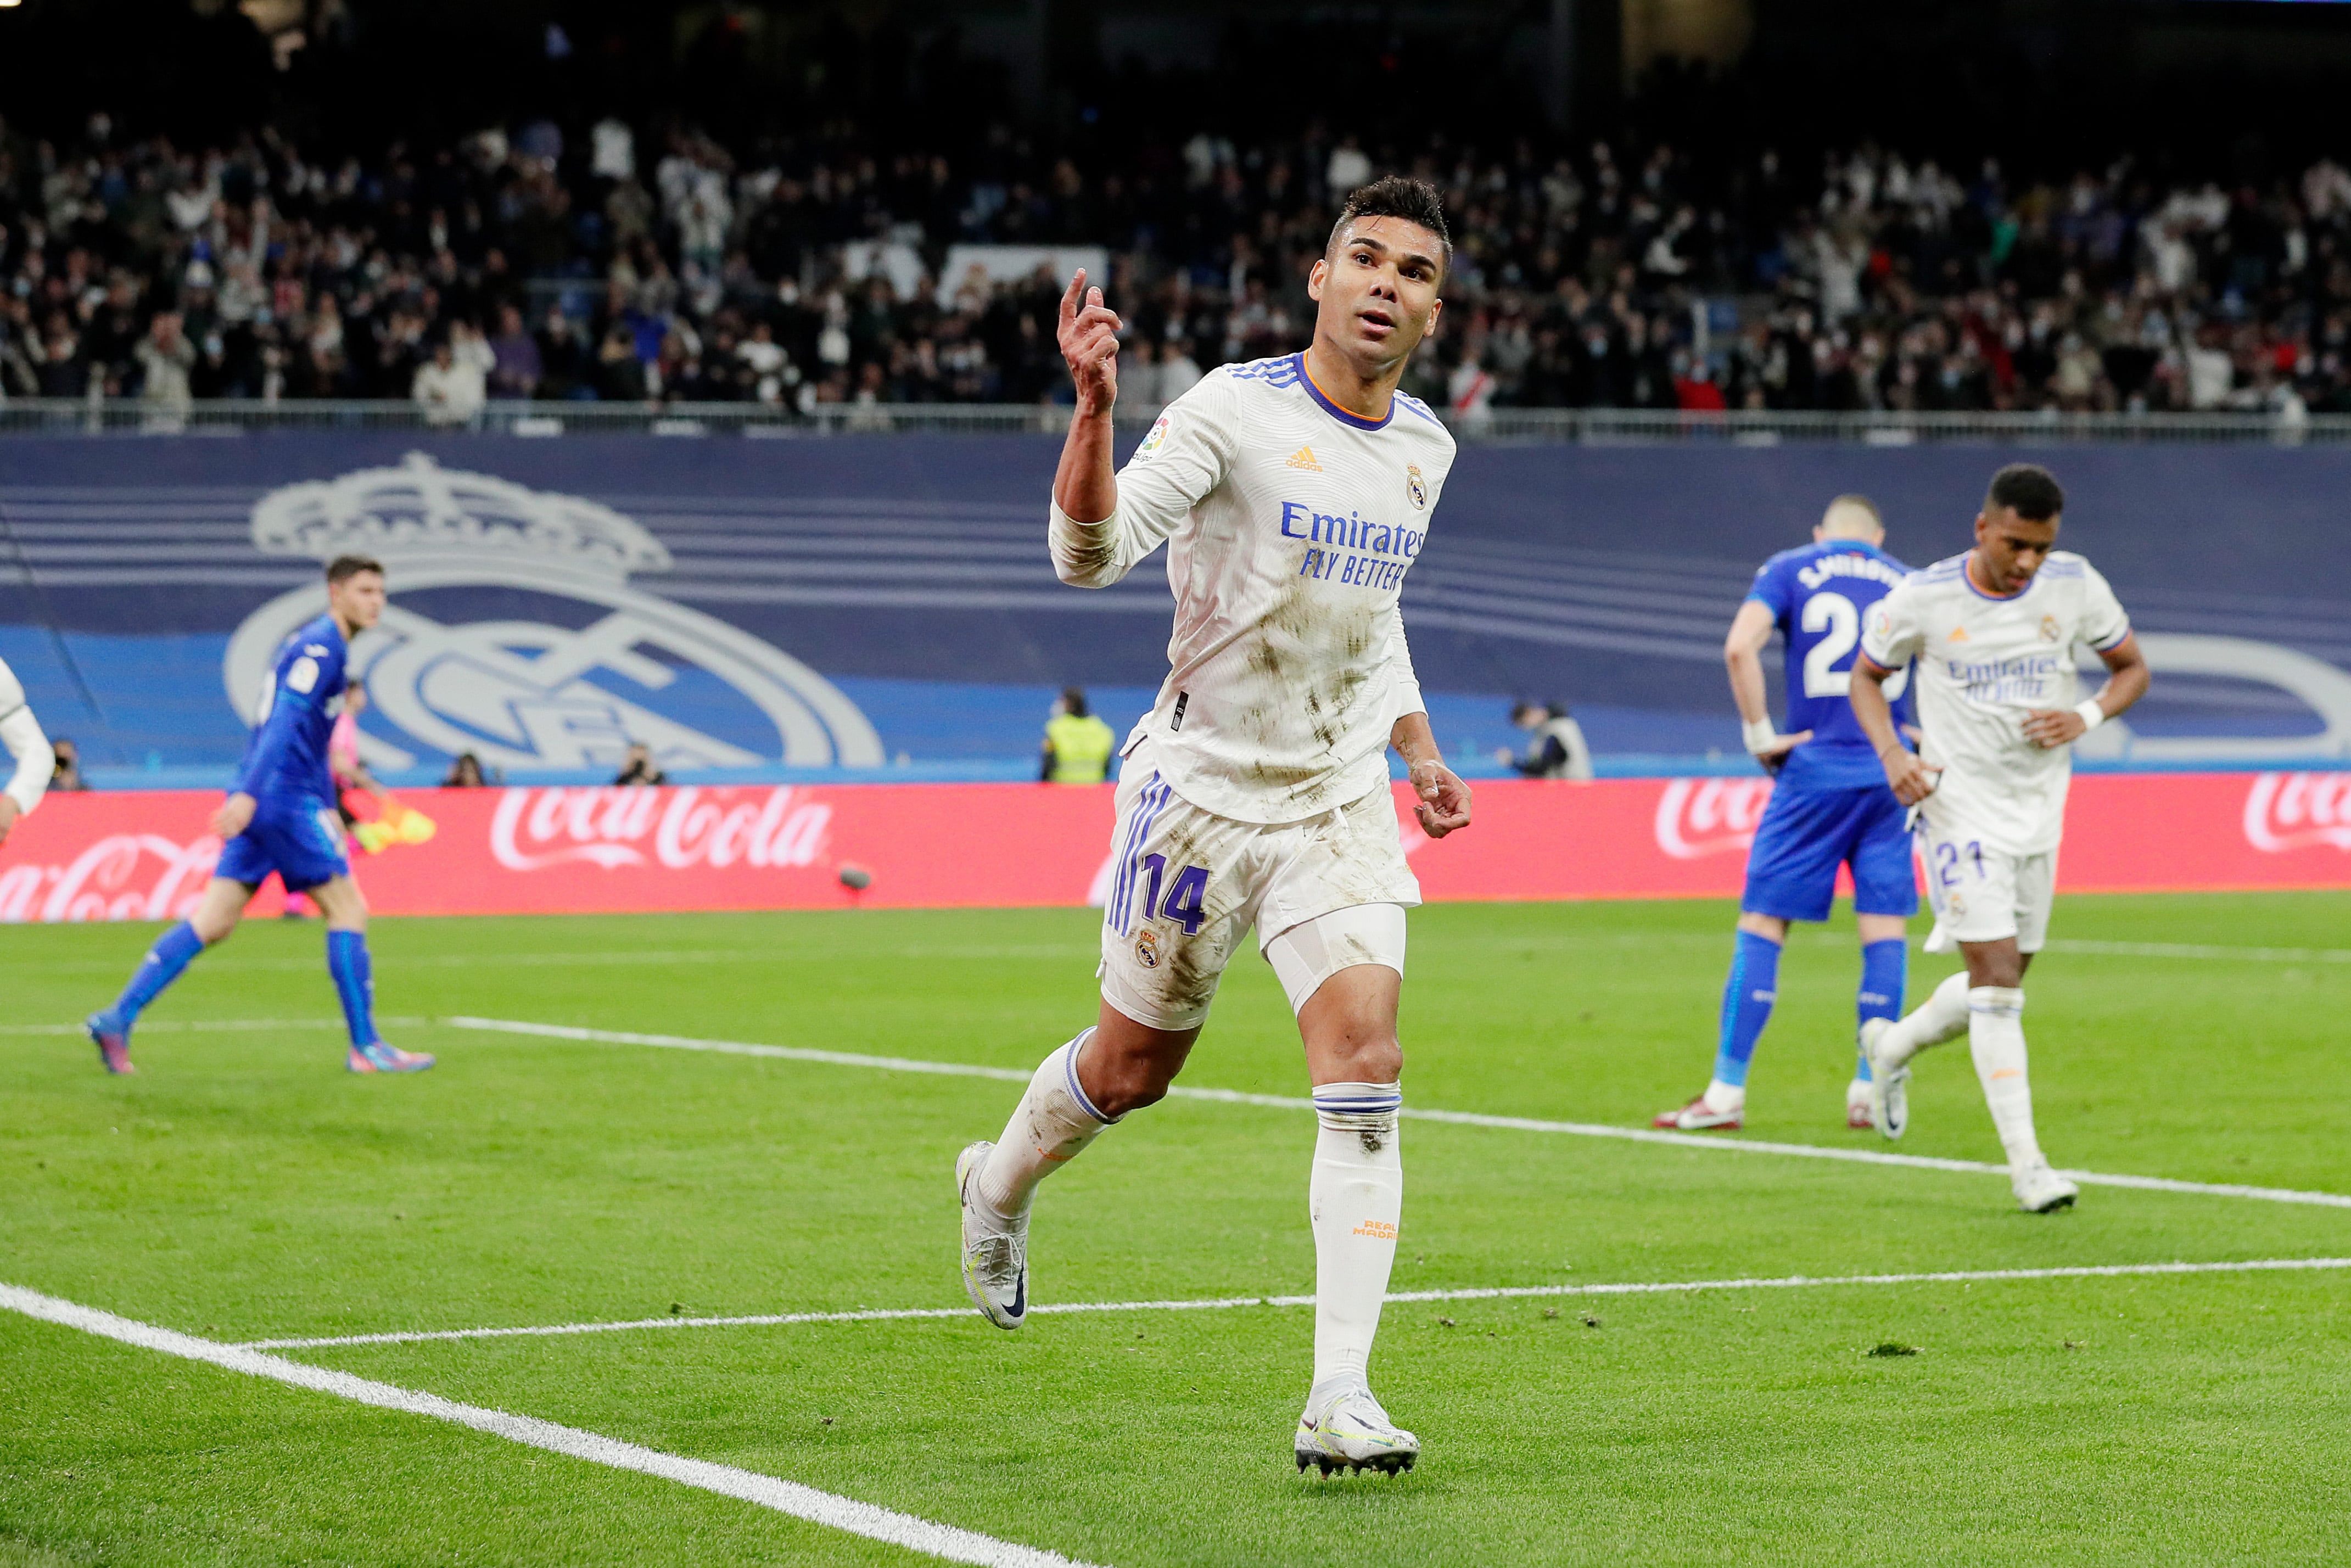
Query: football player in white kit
[1993, 633]
[1292, 495]
[20, 732]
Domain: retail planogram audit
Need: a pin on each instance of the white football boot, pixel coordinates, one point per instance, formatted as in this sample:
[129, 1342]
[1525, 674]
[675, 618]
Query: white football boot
[1889, 1087]
[1857, 1107]
[1347, 1429]
[995, 1249]
[1697, 1116]
[2039, 1190]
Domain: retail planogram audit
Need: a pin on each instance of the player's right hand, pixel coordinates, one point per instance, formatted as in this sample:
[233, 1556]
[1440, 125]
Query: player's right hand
[1088, 339]
[1912, 779]
[236, 814]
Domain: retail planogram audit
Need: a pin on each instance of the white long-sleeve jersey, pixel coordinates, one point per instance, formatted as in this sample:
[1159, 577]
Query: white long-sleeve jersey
[20, 732]
[1289, 525]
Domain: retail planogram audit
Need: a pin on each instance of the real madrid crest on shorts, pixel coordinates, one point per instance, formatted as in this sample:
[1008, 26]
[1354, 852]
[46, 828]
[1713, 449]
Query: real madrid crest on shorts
[1416, 487]
[1146, 948]
[564, 665]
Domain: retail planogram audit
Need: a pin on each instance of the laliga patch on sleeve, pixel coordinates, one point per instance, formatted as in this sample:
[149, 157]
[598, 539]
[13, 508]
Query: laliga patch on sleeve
[303, 675]
[1153, 442]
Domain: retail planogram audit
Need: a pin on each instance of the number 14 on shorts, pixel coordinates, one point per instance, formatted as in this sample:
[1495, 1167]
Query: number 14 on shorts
[1185, 895]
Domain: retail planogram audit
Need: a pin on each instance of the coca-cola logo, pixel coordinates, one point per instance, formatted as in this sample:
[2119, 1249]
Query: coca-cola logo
[677, 828]
[2299, 810]
[124, 876]
[1698, 817]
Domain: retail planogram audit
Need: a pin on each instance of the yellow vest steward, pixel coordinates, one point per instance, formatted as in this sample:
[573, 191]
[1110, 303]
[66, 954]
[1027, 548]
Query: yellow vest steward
[1081, 748]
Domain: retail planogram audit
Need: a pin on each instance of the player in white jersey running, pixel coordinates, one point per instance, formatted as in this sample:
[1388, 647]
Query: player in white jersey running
[20, 732]
[1292, 495]
[1993, 633]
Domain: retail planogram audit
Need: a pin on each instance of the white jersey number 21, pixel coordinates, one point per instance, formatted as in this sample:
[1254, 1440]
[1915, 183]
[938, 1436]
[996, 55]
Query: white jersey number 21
[1841, 618]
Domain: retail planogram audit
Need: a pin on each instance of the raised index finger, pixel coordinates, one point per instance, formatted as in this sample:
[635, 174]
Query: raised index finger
[1069, 296]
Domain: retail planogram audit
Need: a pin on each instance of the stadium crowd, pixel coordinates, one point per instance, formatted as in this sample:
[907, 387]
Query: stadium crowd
[601, 263]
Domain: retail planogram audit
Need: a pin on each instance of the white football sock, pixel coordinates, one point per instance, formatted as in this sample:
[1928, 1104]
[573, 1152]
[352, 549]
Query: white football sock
[1942, 1016]
[1355, 1200]
[1721, 1097]
[1052, 1126]
[1996, 1039]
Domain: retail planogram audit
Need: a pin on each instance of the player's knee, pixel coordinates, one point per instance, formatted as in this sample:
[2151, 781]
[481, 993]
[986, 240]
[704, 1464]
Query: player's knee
[1372, 1058]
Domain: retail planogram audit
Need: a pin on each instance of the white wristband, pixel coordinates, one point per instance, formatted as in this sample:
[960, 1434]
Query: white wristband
[2092, 713]
[1758, 735]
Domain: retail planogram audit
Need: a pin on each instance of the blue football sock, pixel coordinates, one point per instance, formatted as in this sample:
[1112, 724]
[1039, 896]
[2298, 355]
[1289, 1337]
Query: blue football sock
[172, 952]
[1747, 999]
[354, 976]
[1884, 974]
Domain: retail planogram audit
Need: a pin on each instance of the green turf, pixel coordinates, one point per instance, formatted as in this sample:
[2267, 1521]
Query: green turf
[242, 1186]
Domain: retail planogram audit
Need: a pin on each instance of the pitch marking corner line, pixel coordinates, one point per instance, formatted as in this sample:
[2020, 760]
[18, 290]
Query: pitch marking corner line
[805, 1502]
[1215, 1303]
[1458, 1118]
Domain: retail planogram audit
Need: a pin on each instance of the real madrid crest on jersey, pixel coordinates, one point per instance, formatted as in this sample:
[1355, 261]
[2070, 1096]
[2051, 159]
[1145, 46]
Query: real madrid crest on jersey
[2049, 629]
[1416, 487]
[572, 664]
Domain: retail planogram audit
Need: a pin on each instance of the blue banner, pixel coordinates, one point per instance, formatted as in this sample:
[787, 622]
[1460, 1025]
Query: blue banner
[885, 603]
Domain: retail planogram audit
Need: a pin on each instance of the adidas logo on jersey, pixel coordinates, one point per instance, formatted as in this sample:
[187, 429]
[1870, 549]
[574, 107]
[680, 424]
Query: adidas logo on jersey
[1303, 458]
[1958, 634]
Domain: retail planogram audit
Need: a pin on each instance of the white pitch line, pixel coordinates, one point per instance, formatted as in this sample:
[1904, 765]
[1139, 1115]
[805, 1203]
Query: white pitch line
[806, 1503]
[1214, 1303]
[1418, 1113]
[2204, 950]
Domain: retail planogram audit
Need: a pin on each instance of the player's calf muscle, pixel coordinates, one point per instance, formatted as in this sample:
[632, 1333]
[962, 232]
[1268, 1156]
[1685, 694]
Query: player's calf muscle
[1127, 1065]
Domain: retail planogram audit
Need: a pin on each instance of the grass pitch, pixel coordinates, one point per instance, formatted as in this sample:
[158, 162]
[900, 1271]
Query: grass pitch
[241, 1188]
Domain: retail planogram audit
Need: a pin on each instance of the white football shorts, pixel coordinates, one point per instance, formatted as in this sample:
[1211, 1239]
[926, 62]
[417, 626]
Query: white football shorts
[1186, 885]
[1981, 894]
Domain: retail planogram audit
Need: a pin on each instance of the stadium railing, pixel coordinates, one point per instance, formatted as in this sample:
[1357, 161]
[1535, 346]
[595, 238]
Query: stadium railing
[127, 416]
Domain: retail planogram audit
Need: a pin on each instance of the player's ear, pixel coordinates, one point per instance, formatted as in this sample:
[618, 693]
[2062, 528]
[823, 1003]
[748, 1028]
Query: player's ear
[1435, 308]
[1314, 279]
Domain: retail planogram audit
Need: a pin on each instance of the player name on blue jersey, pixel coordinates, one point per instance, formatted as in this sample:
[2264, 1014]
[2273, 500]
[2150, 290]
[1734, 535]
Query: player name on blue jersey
[1817, 593]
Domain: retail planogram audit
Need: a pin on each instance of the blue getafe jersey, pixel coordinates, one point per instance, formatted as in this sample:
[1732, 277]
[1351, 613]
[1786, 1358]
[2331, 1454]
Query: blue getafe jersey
[1819, 594]
[285, 761]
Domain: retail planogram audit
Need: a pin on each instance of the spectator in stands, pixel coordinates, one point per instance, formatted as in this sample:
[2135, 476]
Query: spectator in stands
[465, 773]
[639, 768]
[515, 368]
[1555, 744]
[619, 374]
[66, 774]
[166, 356]
[567, 367]
[1078, 744]
[1591, 275]
[450, 391]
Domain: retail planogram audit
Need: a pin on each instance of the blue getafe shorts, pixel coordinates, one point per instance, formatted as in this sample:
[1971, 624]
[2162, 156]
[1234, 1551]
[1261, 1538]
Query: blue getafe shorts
[1806, 834]
[301, 840]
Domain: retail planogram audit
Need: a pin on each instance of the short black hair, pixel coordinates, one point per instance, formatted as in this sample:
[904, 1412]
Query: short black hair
[1398, 196]
[2029, 490]
[1073, 701]
[343, 568]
